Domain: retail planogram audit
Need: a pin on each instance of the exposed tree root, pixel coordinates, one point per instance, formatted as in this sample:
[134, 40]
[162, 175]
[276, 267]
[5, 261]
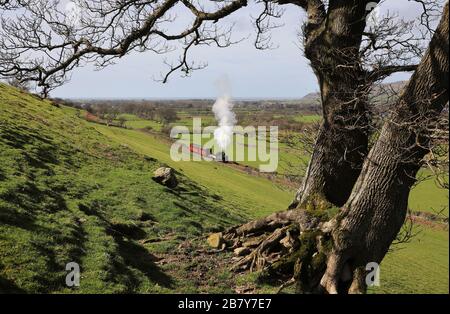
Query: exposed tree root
[291, 247]
[263, 225]
[259, 257]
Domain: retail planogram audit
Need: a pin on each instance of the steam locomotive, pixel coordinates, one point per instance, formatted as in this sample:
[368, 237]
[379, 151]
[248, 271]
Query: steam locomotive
[208, 153]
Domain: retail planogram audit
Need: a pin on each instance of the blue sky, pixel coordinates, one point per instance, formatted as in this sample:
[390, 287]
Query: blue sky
[277, 73]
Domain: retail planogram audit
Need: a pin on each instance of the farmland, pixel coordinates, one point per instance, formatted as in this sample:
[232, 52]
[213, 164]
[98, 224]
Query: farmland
[427, 196]
[428, 250]
[87, 195]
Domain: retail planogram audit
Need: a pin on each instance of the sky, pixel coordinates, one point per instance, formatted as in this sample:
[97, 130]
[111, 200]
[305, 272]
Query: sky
[277, 73]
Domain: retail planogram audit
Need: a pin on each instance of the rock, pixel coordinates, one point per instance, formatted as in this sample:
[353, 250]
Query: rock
[241, 251]
[165, 176]
[215, 240]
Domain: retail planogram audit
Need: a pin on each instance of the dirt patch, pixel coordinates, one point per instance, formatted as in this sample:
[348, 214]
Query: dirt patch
[197, 268]
[423, 221]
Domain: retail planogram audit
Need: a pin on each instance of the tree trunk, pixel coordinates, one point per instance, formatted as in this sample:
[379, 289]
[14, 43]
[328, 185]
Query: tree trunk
[376, 209]
[323, 255]
[342, 143]
[335, 164]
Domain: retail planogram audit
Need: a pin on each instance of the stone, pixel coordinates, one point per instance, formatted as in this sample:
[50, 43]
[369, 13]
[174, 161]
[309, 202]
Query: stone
[165, 176]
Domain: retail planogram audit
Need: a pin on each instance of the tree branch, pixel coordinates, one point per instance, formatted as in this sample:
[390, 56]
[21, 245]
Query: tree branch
[382, 72]
[42, 46]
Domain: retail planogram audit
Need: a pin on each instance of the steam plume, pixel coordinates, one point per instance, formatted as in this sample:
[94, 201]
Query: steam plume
[226, 119]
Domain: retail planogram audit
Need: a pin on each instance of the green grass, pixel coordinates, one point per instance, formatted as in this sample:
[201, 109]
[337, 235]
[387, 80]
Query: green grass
[427, 196]
[417, 267]
[75, 191]
[291, 161]
[308, 118]
[186, 120]
[240, 191]
[143, 124]
[128, 116]
[79, 196]
[134, 122]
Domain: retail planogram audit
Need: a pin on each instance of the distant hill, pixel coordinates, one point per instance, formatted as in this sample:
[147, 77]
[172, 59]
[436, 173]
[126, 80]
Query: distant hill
[387, 88]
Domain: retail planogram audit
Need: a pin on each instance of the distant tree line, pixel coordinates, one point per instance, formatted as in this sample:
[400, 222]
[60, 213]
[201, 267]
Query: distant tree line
[111, 110]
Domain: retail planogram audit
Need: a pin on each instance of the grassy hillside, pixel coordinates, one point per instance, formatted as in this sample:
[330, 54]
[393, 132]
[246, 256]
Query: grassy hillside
[255, 195]
[68, 193]
[75, 191]
[420, 266]
[425, 197]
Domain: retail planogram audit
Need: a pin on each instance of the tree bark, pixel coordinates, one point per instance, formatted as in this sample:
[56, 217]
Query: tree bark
[329, 256]
[372, 217]
[332, 45]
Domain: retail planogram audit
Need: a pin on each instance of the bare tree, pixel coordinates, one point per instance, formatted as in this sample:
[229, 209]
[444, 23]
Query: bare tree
[167, 115]
[349, 57]
[41, 43]
[380, 197]
[18, 84]
[122, 121]
[330, 255]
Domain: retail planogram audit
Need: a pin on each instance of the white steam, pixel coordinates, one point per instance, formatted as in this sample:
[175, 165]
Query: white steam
[223, 110]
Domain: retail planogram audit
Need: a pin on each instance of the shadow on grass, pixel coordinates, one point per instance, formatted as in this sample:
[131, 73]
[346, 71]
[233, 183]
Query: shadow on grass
[138, 257]
[74, 244]
[28, 207]
[26, 201]
[134, 255]
[9, 287]
[19, 137]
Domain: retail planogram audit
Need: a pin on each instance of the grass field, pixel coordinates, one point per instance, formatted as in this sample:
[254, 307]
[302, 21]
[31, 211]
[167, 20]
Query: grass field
[238, 190]
[417, 267]
[427, 196]
[80, 197]
[75, 191]
[308, 118]
[134, 122]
